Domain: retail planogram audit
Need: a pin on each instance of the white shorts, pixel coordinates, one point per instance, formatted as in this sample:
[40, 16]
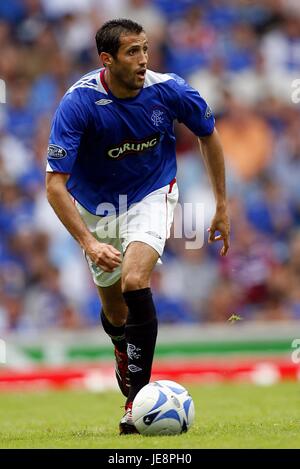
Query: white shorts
[148, 221]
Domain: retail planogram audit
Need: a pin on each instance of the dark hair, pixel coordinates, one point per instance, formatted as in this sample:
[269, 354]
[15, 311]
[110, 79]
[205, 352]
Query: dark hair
[108, 36]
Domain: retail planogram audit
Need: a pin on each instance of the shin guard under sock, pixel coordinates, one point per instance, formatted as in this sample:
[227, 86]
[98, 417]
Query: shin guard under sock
[141, 333]
[116, 333]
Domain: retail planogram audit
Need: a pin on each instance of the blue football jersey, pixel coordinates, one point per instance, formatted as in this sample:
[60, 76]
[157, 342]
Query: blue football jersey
[112, 147]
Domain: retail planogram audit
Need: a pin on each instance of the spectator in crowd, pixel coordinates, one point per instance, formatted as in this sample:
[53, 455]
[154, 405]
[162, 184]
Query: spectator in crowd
[244, 57]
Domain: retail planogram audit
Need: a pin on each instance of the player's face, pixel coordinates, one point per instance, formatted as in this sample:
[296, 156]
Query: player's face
[129, 67]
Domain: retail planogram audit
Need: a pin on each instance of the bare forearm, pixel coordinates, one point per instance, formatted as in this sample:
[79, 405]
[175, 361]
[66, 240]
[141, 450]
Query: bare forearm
[212, 153]
[102, 254]
[66, 211]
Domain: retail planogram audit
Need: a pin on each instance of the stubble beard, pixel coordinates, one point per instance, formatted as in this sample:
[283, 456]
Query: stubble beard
[130, 84]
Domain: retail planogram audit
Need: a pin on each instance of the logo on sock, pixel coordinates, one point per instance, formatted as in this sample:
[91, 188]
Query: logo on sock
[134, 369]
[133, 352]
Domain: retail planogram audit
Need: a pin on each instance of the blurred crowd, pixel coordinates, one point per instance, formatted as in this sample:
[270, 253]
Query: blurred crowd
[243, 56]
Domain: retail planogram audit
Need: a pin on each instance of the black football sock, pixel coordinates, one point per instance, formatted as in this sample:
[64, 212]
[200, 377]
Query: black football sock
[116, 333]
[140, 332]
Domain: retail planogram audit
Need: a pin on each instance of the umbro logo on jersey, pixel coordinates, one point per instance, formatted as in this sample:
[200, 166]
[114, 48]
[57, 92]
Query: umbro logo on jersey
[103, 102]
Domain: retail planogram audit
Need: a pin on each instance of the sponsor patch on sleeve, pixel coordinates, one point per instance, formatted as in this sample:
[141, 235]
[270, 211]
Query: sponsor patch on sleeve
[56, 152]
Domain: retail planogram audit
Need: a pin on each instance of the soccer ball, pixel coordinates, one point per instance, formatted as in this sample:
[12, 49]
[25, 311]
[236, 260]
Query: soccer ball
[163, 408]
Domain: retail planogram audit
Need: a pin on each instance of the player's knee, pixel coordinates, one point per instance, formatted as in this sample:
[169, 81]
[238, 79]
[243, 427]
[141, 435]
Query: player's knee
[134, 281]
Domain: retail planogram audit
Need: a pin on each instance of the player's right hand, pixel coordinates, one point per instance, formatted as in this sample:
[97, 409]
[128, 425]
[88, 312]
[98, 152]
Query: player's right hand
[104, 256]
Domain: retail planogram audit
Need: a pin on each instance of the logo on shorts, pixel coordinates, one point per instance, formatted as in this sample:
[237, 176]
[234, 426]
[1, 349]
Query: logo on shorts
[157, 117]
[134, 147]
[152, 233]
[56, 152]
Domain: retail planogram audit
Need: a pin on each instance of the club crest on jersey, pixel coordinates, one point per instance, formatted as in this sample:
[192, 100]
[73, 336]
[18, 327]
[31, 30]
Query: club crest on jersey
[133, 147]
[157, 117]
[56, 152]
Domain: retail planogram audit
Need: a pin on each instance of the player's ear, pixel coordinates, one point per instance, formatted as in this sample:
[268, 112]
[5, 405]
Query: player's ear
[106, 59]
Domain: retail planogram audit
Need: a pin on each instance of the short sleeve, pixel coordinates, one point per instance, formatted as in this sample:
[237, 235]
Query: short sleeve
[68, 126]
[192, 109]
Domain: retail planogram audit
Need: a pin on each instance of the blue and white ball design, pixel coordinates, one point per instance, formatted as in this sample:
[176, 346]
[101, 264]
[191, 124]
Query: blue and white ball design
[163, 408]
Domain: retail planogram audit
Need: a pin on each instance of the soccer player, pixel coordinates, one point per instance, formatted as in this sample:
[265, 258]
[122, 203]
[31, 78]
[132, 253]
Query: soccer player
[111, 180]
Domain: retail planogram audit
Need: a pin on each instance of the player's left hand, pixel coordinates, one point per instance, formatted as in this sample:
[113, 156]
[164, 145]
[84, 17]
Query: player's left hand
[220, 223]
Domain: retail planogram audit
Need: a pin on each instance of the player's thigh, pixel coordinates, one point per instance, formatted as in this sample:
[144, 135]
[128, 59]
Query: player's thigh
[113, 303]
[138, 264]
[105, 230]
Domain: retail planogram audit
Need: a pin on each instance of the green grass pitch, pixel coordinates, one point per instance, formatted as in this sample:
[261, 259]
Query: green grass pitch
[227, 416]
